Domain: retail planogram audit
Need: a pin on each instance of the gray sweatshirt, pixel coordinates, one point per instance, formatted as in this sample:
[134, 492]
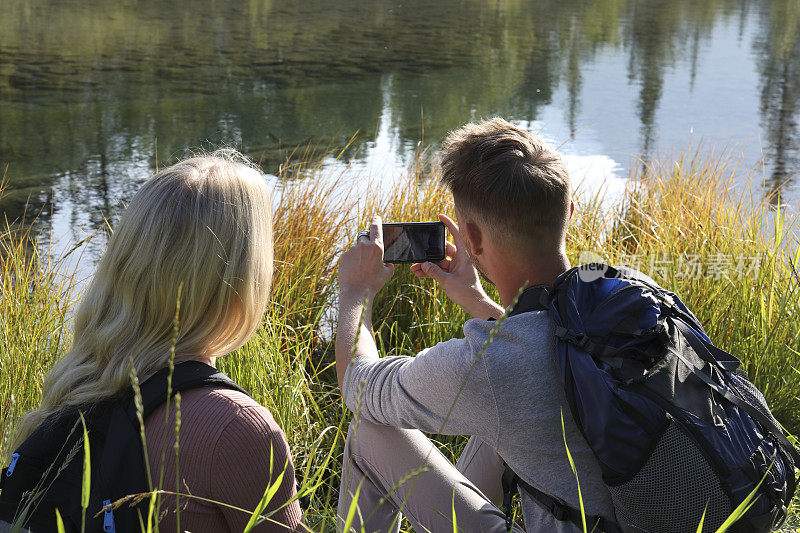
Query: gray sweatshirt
[510, 397]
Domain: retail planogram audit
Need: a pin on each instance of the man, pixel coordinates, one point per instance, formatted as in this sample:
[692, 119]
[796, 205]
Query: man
[512, 203]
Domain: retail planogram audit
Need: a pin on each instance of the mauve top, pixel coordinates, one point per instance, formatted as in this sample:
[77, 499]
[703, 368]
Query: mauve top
[225, 440]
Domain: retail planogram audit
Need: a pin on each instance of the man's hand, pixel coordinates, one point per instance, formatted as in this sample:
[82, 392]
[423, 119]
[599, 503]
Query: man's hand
[361, 268]
[459, 278]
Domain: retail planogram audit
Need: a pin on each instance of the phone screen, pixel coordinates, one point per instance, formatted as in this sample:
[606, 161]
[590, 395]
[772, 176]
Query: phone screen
[413, 242]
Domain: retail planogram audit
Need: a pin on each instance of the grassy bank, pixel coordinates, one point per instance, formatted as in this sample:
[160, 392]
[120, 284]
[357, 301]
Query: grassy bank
[685, 225]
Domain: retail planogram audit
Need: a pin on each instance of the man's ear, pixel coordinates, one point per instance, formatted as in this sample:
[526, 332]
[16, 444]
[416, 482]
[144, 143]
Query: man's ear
[474, 238]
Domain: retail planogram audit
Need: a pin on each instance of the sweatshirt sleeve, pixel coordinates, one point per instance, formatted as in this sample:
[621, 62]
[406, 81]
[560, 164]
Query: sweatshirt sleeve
[241, 472]
[444, 389]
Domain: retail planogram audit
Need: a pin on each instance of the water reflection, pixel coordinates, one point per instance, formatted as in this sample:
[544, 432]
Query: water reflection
[93, 93]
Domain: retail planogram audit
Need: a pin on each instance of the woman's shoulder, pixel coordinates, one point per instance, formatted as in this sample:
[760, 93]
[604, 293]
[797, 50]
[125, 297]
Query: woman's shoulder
[220, 398]
[218, 424]
[223, 407]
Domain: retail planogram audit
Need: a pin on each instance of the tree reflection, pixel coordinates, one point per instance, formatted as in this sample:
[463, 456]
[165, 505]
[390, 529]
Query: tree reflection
[778, 50]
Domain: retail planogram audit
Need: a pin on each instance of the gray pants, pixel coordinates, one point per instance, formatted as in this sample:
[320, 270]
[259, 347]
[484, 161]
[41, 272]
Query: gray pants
[402, 470]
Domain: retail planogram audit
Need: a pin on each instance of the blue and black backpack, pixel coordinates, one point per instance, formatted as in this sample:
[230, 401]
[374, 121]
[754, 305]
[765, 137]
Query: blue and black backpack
[679, 431]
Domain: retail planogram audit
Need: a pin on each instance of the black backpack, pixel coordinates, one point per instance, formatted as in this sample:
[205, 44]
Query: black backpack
[50, 461]
[678, 430]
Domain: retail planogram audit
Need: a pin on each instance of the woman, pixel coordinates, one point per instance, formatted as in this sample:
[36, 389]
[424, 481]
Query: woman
[202, 226]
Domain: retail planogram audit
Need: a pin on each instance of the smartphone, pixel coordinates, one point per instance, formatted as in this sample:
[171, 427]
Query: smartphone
[413, 242]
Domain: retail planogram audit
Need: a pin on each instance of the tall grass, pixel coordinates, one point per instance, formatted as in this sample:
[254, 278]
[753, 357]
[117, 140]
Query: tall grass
[34, 305]
[684, 213]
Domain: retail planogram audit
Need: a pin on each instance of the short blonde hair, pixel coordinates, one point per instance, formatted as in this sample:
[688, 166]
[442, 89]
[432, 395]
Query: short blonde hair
[510, 181]
[203, 224]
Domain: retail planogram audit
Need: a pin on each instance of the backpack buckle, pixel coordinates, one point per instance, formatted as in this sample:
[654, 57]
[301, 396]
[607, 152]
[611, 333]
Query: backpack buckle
[509, 483]
[581, 340]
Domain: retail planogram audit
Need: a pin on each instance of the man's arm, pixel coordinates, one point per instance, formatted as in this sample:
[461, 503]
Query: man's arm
[362, 273]
[354, 330]
[443, 389]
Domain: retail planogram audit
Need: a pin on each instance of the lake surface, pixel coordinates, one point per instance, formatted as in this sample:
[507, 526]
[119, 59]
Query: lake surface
[94, 93]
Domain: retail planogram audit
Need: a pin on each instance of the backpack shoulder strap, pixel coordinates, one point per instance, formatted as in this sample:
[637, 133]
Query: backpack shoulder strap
[539, 297]
[559, 509]
[536, 298]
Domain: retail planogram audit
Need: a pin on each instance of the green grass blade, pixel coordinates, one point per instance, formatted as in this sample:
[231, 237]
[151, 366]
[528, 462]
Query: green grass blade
[702, 520]
[269, 493]
[151, 511]
[455, 522]
[743, 507]
[574, 472]
[351, 512]
[86, 482]
[59, 523]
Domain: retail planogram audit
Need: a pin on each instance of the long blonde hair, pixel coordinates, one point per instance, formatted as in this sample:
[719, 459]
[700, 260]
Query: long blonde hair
[205, 224]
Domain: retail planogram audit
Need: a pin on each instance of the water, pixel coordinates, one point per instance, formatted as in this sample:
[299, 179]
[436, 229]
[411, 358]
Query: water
[93, 93]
